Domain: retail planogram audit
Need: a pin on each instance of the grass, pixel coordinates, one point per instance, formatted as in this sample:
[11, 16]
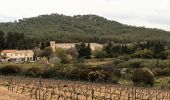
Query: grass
[162, 82]
[95, 62]
[26, 65]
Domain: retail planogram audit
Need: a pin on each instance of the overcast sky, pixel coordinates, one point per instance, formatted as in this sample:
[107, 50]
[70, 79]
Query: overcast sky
[148, 13]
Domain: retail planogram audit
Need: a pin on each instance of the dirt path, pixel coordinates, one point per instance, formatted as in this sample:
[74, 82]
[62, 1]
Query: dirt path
[6, 95]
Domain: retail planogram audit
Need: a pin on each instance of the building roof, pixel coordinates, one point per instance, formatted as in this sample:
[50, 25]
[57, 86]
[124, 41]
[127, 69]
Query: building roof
[16, 51]
[8, 51]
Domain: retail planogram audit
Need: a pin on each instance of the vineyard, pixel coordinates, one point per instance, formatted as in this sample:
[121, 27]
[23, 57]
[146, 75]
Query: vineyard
[43, 89]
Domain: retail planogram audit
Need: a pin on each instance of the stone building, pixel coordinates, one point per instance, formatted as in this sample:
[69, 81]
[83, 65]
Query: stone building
[24, 55]
[72, 45]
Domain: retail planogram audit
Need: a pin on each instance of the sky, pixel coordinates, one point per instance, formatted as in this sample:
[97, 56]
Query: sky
[147, 13]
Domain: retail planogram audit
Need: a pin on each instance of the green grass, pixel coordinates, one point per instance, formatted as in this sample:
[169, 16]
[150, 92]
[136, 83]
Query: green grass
[25, 65]
[162, 80]
[95, 62]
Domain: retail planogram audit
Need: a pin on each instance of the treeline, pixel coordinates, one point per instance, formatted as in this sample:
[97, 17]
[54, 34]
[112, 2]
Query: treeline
[14, 40]
[144, 49]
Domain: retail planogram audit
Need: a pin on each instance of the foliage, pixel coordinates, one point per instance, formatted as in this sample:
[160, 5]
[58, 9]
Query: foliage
[145, 54]
[108, 49]
[63, 56]
[98, 76]
[80, 28]
[10, 69]
[32, 72]
[156, 47]
[47, 52]
[84, 50]
[135, 64]
[99, 53]
[143, 77]
[162, 72]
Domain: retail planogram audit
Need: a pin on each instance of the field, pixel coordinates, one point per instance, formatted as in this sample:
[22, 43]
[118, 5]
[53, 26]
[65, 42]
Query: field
[43, 89]
[25, 65]
[7, 95]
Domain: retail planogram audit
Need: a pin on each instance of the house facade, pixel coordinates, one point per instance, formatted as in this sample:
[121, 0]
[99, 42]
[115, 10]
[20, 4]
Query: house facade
[23, 55]
[72, 45]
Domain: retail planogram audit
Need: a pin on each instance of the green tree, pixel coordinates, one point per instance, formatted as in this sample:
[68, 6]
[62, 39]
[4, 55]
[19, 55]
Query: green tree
[109, 49]
[2, 40]
[99, 53]
[142, 77]
[83, 50]
[47, 52]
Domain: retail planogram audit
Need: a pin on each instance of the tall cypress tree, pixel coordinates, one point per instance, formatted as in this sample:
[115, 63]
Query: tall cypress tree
[2, 40]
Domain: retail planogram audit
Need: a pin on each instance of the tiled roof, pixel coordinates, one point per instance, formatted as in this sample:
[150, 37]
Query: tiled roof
[8, 51]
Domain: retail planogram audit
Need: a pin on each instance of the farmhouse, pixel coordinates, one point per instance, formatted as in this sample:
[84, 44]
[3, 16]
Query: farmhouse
[72, 45]
[24, 55]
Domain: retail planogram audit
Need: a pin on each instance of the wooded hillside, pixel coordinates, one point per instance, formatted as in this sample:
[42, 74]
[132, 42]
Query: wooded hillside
[86, 28]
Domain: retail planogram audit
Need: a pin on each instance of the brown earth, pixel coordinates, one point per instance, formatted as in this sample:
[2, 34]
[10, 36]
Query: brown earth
[7, 95]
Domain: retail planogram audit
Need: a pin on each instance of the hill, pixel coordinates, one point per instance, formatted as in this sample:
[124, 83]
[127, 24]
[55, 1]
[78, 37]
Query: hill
[87, 28]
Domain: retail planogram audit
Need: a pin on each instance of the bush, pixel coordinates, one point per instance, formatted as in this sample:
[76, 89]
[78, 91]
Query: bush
[116, 62]
[32, 72]
[146, 54]
[114, 72]
[98, 76]
[125, 57]
[10, 69]
[99, 53]
[65, 60]
[143, 77]
[135, 64]
[79, 74]
[50, 72]
[162, 72]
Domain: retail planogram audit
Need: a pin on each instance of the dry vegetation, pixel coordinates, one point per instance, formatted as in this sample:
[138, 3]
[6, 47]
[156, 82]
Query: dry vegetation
[7, 95]
[42, 89]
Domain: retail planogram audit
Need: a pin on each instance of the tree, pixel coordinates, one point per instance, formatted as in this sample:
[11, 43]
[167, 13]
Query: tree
[109, 49]
[99, 53]
[83, 50]
[142, 77]
[2, 40]
[47, 52]
[37, 53]
[62, 54]
[145, 54]
[88, 51]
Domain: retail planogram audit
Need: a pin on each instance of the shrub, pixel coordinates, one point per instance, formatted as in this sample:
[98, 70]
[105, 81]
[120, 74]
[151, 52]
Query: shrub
[125, 57]
[50, 72]
[79, 74]
[65, 60]
[146, 54]
[114, 71]
[135, 64]
[116, 62]
[32, 72]
[99, 53]
[98, 76]
[10, 69]
[162, 72]
[143, 77]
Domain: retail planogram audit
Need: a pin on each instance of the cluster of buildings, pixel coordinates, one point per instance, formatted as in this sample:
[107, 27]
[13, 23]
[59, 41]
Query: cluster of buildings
[28, 55]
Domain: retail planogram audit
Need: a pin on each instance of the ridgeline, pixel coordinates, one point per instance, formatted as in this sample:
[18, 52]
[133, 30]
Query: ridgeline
[86, 28]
